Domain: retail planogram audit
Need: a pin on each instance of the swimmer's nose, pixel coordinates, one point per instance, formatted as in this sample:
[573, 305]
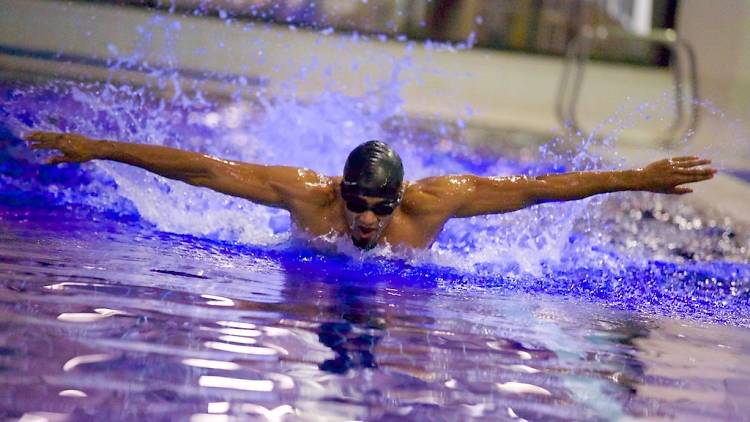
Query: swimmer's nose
[368, 218]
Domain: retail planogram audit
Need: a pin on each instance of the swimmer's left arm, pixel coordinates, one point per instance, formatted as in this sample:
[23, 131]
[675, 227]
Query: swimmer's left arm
[473, 195]
[285, 187]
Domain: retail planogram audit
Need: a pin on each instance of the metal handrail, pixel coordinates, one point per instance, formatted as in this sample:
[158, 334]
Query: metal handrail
[578, 54]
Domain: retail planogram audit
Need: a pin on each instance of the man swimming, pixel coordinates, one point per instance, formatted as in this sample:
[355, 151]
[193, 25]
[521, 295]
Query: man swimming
[371, 203]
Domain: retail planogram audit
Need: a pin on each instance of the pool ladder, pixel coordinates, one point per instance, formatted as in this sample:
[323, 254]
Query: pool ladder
[578, 53]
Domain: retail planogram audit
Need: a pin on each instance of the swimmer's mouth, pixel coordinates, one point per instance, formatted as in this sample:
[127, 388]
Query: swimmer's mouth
[366, 230]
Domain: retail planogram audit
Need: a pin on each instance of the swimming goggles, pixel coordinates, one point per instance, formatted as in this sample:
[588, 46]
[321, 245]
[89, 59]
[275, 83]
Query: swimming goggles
[359, 205]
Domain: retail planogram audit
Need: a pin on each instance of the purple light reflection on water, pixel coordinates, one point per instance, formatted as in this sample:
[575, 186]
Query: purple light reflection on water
[156, 325]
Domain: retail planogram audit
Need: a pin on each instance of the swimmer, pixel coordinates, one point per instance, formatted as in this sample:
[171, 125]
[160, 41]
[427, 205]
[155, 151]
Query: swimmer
[371, 203]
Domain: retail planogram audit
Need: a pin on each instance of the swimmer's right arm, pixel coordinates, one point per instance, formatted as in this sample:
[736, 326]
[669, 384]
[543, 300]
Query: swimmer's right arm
[274, 186]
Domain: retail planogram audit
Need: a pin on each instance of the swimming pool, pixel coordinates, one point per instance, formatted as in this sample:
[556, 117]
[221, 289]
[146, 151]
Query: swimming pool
[125, 296]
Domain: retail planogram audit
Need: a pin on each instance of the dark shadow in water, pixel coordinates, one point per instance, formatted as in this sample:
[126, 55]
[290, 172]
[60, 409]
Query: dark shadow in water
[354, 337]
[354, 321]
[344, 299]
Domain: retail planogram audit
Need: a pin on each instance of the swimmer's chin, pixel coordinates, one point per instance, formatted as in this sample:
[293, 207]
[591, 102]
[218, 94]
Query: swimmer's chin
[364, 243]
[347, 245]
[333, 242]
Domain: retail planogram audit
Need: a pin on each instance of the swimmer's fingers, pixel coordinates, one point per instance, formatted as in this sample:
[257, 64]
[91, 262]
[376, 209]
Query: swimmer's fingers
[43, 145]
[44, 140]
[38, 136]
[699, 171]
[690, 178]
[681, 190]
[692, 163]
[58, 160]
[666, 176]
[684, 158]
[678, 189]
[73, 148]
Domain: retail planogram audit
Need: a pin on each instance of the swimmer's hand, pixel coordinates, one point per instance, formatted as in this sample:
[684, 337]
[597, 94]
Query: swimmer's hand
[666, 176]
[74, 148]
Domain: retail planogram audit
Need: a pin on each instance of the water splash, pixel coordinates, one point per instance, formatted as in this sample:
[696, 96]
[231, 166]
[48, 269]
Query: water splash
[609, 233]
[318, 135]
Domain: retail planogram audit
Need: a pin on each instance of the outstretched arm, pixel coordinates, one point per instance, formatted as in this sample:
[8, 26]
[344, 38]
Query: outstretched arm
[473, 195]
[274, 186]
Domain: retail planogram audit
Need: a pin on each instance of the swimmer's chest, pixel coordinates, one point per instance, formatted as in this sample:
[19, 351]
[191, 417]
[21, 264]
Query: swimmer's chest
[411, 231]
[320, 221]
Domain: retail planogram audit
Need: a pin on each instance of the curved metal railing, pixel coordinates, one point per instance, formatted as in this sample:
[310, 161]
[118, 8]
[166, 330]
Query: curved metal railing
[578, 54]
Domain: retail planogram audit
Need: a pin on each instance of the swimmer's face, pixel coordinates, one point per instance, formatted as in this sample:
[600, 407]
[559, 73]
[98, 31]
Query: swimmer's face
[367, 217]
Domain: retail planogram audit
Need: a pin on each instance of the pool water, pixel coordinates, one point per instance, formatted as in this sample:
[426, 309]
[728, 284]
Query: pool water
[127, 296]
[107, 320]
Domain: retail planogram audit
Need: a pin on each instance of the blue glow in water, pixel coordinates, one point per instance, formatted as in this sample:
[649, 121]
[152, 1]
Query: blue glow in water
[639, 252]
[597, 249]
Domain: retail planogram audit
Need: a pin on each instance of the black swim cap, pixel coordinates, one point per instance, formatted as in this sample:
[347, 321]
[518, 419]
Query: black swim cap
[373, 169]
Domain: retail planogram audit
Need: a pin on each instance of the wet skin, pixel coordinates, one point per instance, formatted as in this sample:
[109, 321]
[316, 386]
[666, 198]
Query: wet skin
[316, 206]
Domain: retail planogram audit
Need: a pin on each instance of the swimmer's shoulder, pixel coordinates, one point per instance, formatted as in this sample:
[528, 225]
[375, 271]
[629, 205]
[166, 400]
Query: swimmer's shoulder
[312, 187]
[440, 187]
[434, 194]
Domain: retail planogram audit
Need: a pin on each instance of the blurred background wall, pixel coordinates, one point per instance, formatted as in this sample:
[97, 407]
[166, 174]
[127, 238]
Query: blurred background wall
[502, 69]
[720, 32]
